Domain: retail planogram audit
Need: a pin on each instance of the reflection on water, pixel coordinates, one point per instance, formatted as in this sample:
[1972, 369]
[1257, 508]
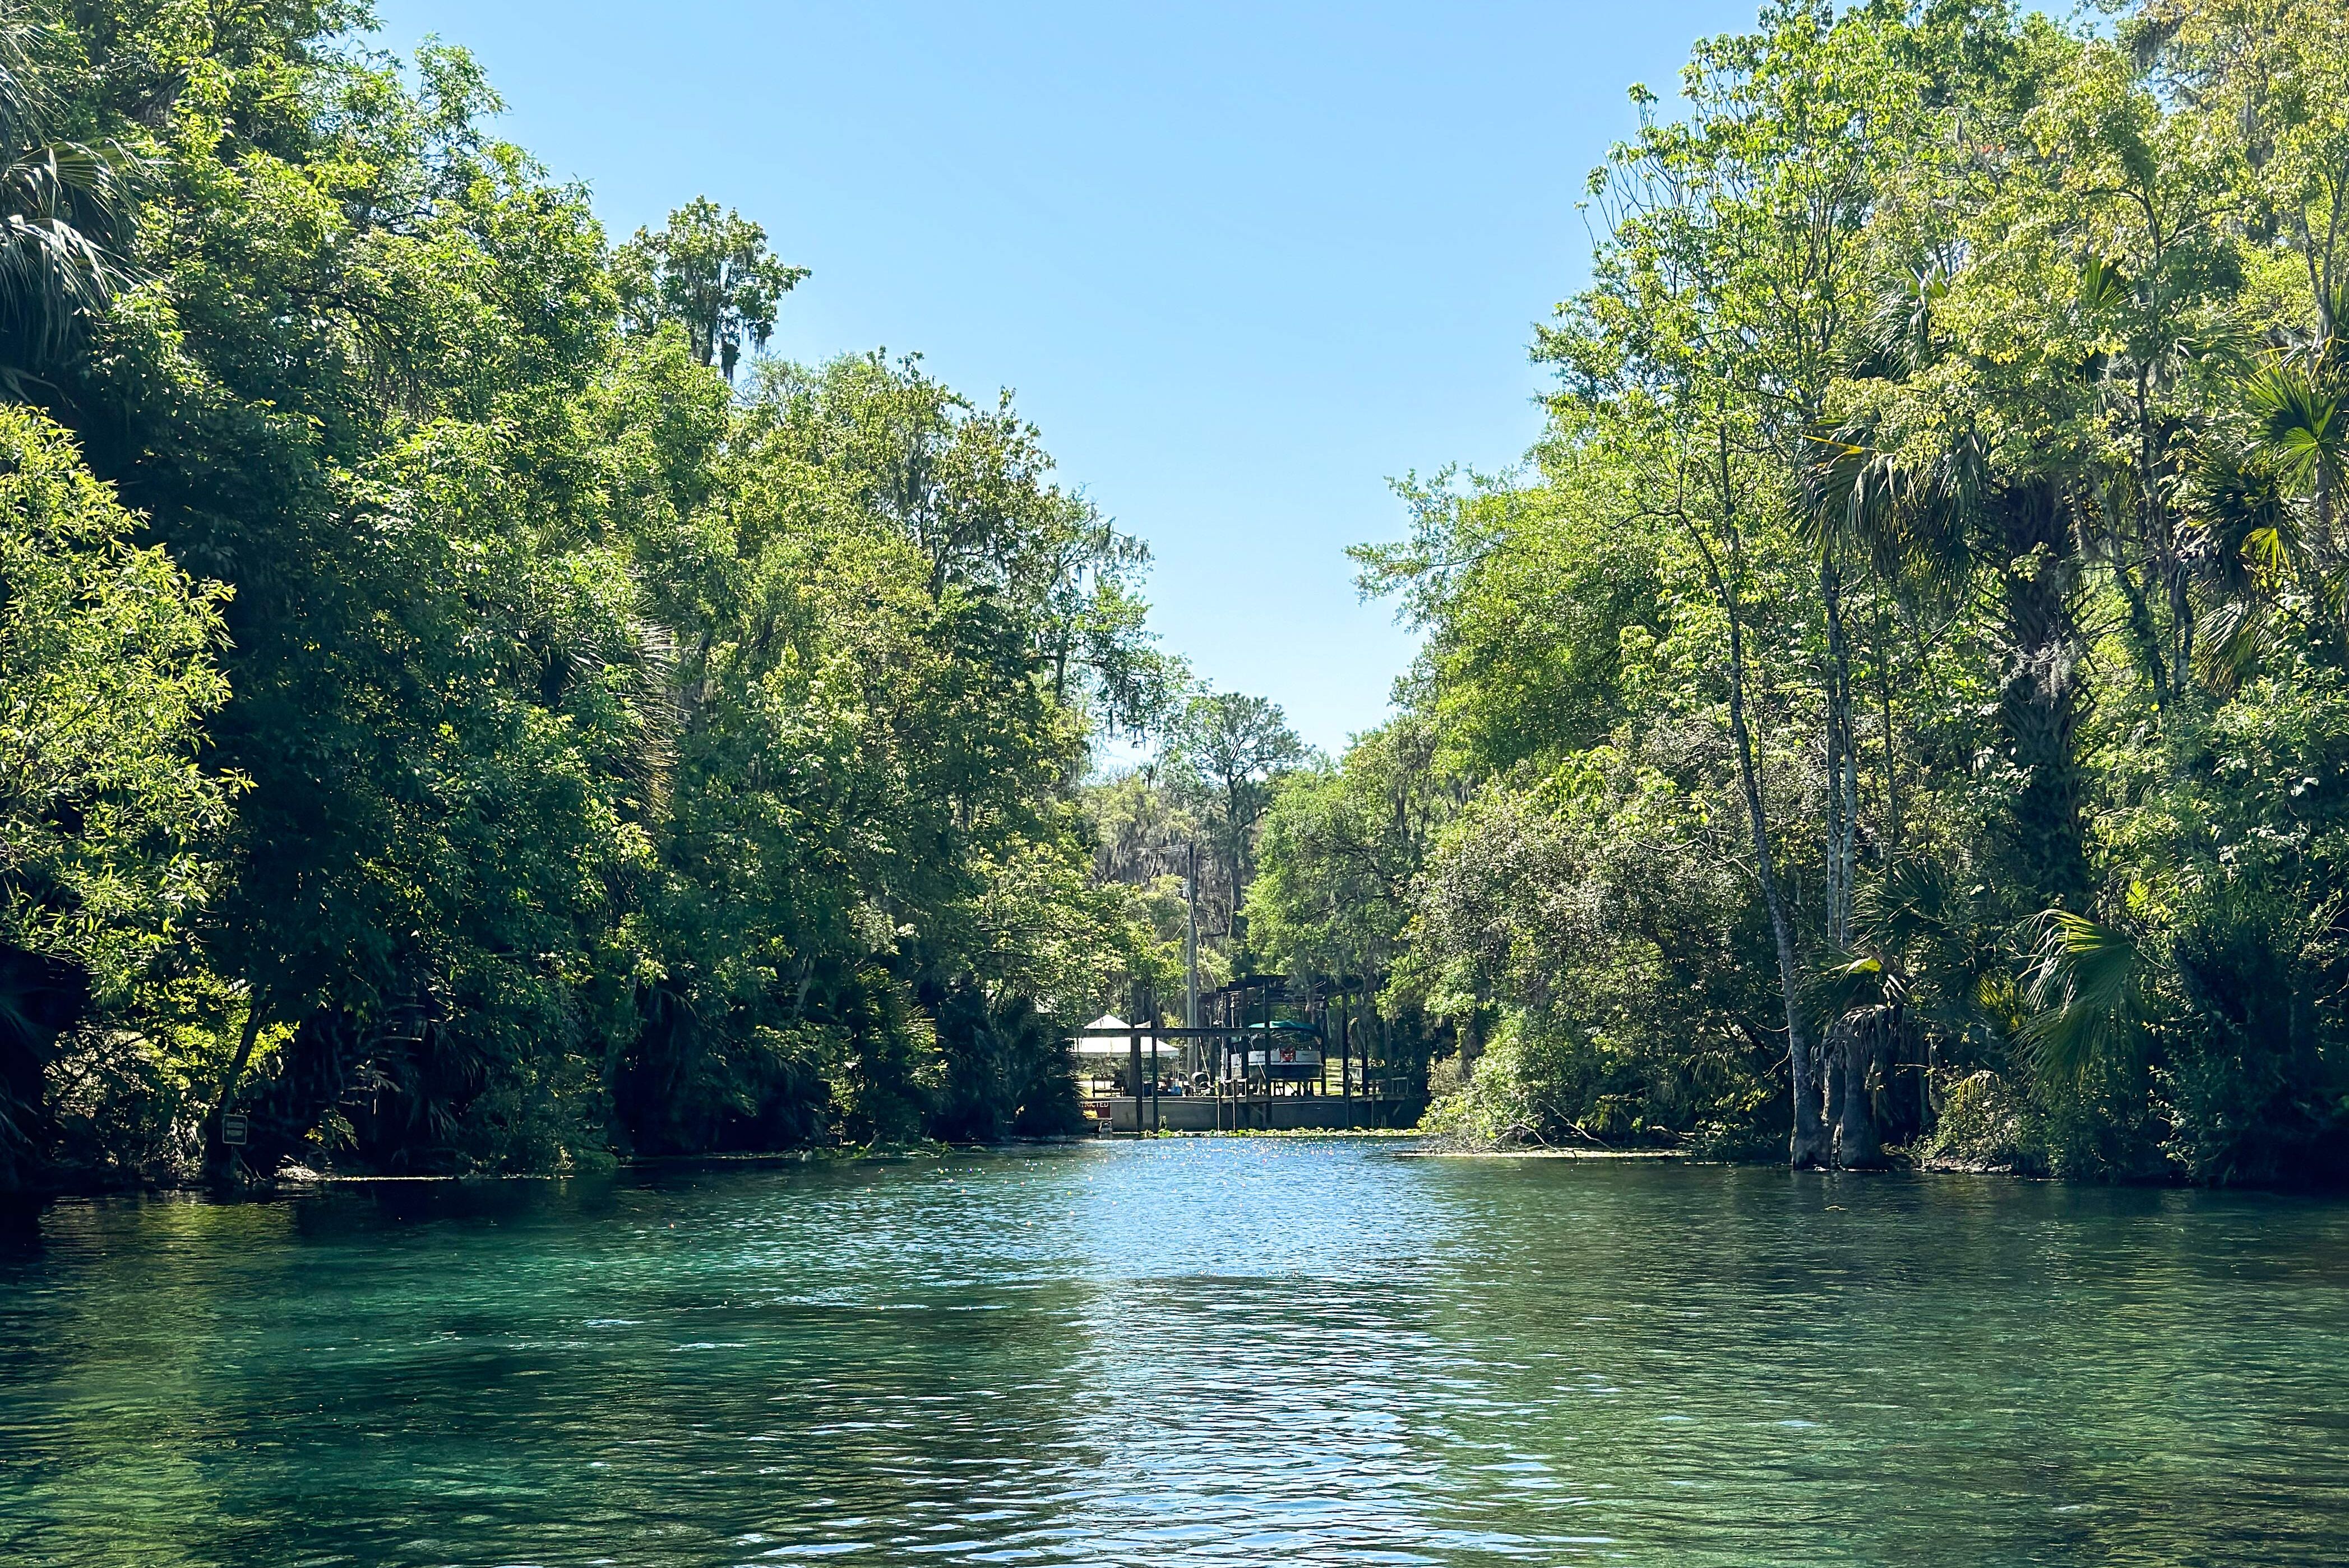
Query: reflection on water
[1222, 1349]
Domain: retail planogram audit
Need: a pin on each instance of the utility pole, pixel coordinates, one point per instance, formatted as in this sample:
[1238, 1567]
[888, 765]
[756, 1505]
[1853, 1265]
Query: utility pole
[1191, 945]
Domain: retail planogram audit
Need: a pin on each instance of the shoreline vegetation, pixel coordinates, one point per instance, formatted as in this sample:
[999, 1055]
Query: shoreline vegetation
[1899, 701]
[292, 1179]
[465, 708]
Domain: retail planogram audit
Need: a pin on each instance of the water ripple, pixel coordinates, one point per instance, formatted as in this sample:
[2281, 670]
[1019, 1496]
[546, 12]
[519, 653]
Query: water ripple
[1212, 1351]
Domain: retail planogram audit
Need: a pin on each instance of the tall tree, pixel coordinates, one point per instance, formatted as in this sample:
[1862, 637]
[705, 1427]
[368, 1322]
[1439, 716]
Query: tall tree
[1237, 746]
[710, 273]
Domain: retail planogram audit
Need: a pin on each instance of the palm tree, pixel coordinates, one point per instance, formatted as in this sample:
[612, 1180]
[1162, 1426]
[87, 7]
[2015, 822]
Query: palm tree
[2301, 409]
[2268, 507]
[61, 212]
[1949, 529]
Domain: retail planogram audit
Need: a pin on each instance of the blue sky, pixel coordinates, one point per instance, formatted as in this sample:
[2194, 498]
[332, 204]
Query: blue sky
[1240, 263]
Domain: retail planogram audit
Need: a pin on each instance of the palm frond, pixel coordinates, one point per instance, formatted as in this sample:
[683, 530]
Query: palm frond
[2243, 539]
[20, 93]
[2102, 285]
[2243, 525]
[2302, 425]
[2083, 993]
[1898, 337]
[1908, 523]
[1860, 980]
[2239, 635]
[1909, 904]
[62, 210]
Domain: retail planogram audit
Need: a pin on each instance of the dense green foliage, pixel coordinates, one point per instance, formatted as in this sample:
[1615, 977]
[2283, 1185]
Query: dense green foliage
[463, 708]
[447, 722]
[1192, 818]
[1903, 699]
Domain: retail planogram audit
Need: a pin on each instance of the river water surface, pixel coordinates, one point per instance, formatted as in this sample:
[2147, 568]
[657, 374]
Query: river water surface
[1222, 1350]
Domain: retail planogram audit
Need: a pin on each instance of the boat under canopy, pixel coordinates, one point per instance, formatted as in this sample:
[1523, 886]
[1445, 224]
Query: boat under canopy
[1281, 1061]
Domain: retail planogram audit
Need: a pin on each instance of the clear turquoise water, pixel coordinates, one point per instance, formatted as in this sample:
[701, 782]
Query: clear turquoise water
[1236, 1351]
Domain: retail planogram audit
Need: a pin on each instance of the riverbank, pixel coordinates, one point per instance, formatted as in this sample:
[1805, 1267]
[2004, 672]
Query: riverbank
[1593, 1154]
[296, 1178]
[1409, 1143]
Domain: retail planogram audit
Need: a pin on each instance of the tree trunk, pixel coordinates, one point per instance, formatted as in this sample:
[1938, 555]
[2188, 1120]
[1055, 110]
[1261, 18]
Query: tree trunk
[216, 1153]
[1842, 761]
[1857, 1041]
[1891, 757]
[1807, 1147]
[2039, 691]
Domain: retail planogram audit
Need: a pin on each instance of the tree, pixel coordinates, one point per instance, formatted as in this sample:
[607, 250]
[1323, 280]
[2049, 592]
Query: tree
[62, 210]
[1919, 631]
[1723, 298]
[709, 273]
[625, 764]
[109, 823]
[1235, 746]
[1987, 363]
[1342, 851]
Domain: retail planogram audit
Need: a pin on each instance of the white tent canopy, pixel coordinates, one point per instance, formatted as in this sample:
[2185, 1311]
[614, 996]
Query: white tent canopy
[1110, 1035]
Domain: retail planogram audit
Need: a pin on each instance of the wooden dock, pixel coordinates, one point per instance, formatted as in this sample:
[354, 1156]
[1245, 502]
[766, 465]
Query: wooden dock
[1250, 1113]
